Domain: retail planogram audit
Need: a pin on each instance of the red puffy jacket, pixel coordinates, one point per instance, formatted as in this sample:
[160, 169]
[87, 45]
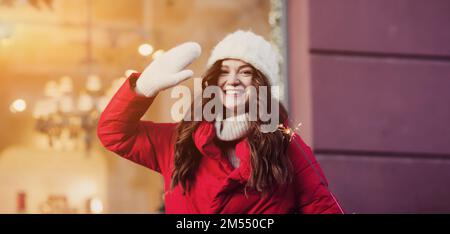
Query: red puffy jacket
[219, 188]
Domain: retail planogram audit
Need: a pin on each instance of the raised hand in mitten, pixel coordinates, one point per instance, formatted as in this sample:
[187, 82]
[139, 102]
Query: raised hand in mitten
[168, 69]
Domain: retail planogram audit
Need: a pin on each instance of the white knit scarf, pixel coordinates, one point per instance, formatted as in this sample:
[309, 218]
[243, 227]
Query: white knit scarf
[231, 129]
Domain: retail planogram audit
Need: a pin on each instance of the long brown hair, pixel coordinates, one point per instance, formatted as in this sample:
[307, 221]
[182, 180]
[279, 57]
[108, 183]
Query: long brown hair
[269, 161]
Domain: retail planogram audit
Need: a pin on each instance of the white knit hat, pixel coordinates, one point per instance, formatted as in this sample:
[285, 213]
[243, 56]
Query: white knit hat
[252, 49]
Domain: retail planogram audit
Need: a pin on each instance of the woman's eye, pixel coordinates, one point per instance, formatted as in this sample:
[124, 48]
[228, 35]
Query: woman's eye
[247, 73]
[223, 72]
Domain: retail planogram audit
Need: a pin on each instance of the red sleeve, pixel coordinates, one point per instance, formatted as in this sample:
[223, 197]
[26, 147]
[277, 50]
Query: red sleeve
[121, 131]
[313, 195]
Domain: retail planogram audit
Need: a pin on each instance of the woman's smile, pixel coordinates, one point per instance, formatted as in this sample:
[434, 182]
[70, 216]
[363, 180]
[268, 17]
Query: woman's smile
[235, 77]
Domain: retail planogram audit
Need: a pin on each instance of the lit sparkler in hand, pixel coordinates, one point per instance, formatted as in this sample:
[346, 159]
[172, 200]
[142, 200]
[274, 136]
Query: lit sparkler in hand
[291, 133]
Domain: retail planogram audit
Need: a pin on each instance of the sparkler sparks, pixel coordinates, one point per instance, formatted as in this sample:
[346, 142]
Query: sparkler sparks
[289, 131]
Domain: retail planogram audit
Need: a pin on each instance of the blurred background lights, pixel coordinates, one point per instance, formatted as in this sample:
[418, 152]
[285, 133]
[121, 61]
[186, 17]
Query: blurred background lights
[145, 49]
[95, 206]
[93, 83]
[18, 105]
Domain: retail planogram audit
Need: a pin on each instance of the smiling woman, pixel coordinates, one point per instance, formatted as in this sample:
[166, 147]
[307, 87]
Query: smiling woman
[235, 77]
[222, 165]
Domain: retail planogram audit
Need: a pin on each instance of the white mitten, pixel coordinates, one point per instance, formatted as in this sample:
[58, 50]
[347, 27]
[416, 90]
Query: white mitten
[167, 70]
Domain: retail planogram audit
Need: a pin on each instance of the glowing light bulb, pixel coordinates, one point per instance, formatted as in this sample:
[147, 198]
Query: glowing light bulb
[65, 84]
[145, 50]
[18, 105]
[93, 83]
[95, 206]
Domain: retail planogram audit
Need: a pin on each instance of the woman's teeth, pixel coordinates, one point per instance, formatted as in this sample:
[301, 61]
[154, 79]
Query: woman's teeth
[234, 91]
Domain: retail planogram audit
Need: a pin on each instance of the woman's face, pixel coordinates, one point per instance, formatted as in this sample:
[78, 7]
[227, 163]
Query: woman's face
[234, 78]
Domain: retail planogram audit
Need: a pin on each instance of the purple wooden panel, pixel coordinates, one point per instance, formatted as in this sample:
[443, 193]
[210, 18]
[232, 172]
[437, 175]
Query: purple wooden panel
[389, 185]
[401, 26]
[381, 105]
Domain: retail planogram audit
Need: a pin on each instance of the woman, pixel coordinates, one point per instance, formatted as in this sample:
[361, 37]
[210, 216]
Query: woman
[224, 165]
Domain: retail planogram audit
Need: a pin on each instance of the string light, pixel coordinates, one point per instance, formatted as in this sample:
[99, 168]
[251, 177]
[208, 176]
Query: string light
[145, 49]
[18, 105]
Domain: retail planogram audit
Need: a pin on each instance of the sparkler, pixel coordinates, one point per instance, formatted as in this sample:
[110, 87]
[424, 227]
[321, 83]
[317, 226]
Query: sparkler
[291, 133]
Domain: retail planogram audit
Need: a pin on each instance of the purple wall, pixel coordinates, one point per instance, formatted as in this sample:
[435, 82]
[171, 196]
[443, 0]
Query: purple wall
[383, 26]
[380, 73]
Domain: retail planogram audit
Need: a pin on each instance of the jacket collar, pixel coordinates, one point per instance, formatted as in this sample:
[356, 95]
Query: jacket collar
[203, 138]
